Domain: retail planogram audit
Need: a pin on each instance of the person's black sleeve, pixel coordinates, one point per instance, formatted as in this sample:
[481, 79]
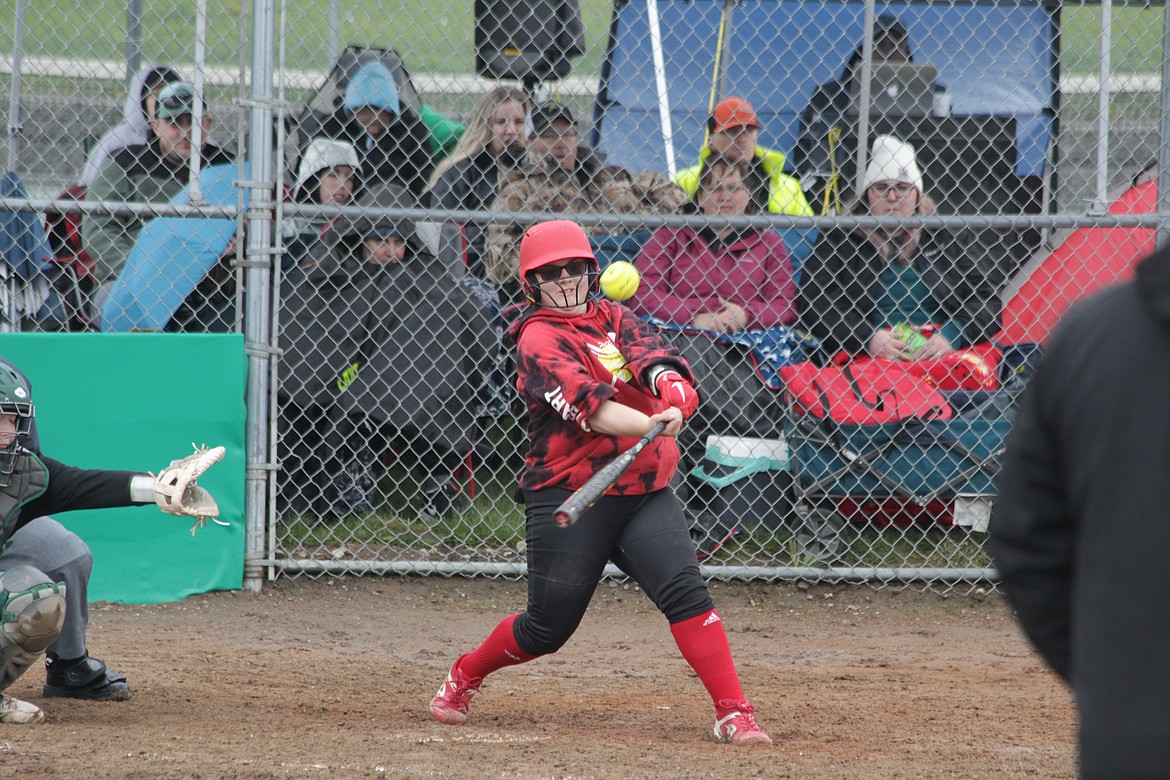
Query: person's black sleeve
[969, 293]
[833, 301]
[71, 488]
[421, 162]
[449, 191]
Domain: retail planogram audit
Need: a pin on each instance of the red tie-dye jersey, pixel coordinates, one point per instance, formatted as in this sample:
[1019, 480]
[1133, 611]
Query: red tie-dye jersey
[568, 366]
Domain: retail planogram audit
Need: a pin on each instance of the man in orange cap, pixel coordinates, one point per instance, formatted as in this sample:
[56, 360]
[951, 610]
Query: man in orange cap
[733, 132]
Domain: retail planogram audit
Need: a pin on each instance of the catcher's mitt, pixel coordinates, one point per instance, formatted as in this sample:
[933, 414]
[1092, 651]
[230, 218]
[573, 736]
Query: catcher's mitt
[175, 490]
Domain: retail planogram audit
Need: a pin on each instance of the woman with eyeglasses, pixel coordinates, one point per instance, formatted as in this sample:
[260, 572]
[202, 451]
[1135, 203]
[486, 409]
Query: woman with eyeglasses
[895, 292]
[594, 381]
[722, 279]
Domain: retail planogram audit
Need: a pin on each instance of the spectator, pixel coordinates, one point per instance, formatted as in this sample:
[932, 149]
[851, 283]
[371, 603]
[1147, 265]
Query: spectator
[728, 281]
[1078, 530]
[860, 283]
[327, 176]
[383, 351]
[492, 146]
[725, 279]
[832, 101]
[734, 133]
[562, 176]
[153, 172]
[391, 140]
[137, 114]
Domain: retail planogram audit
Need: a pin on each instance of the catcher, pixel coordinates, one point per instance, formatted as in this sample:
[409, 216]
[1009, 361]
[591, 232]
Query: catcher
[44, 569]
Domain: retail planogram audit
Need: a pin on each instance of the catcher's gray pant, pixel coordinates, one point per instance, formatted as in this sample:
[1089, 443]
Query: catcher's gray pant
[46, 545]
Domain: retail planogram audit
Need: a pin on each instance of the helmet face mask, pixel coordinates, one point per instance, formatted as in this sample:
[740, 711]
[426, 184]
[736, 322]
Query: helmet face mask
[16, 420]
[563, 291]
[559, 242]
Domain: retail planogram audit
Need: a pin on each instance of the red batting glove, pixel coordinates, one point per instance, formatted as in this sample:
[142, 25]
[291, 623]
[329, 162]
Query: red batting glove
[677, 391]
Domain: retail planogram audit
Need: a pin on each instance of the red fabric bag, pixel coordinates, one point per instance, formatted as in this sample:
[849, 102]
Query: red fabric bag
[863, 392]
[974, 368]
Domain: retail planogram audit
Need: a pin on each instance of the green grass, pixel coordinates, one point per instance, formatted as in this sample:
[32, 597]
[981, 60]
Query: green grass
[434, 36]
[1136, 38]
[492, 522]
[870, 546]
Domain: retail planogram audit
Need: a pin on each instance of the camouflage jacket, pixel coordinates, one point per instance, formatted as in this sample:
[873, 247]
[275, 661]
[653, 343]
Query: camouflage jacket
[543, 185]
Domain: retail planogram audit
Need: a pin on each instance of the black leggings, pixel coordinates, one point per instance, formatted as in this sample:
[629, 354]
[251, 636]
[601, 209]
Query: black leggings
[645, 536]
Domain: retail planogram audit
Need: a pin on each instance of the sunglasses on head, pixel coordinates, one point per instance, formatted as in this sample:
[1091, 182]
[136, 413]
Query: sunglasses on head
[178, 99]
[550, 273]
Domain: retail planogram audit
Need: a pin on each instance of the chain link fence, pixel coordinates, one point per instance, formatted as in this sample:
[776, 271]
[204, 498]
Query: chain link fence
[367, 173]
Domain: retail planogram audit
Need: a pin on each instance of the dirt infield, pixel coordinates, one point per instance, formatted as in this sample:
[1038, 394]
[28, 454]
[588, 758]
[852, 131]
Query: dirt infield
[331, 679]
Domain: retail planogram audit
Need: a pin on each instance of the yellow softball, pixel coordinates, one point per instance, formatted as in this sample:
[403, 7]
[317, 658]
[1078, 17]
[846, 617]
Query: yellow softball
[620, 280]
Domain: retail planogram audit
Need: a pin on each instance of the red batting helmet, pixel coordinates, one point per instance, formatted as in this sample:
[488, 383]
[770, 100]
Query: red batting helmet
[549, 242]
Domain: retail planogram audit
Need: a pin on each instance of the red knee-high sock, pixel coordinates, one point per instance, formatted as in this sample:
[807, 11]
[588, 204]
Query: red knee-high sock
[496, 652]
[704, 645]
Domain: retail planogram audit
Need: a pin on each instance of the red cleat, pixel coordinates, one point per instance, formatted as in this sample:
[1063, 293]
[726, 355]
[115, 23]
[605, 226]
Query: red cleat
[735, 722]
[451, 703]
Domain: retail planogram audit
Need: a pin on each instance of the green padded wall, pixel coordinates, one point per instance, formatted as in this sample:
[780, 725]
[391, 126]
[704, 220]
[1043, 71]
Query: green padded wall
[138, 401]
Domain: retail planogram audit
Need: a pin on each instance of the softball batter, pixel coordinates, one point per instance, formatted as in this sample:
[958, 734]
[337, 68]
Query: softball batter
[595, 379]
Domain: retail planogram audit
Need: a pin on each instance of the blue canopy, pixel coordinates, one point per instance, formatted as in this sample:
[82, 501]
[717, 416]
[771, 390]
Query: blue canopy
[995, 58]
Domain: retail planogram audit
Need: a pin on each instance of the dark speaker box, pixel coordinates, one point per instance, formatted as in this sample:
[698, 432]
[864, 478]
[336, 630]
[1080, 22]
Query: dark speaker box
[527, 40]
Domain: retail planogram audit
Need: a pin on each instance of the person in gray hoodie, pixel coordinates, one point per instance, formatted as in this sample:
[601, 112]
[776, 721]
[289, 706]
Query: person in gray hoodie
[137, 112]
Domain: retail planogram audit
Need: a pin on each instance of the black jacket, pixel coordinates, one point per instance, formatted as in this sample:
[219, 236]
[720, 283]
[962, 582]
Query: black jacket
[405, 345]
[400, 155]
[1080, 531]
[840, 279]
[827, 108]
[471, 184]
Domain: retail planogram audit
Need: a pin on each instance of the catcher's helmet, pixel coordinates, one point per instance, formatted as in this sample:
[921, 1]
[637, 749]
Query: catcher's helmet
[549, 242]
[15, 400]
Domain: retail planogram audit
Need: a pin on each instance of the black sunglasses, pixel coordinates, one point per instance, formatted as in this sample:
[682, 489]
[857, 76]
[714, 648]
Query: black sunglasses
[550, 273]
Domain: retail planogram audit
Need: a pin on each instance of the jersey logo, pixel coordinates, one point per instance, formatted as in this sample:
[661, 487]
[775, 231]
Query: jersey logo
[568, 412]
[611, 359]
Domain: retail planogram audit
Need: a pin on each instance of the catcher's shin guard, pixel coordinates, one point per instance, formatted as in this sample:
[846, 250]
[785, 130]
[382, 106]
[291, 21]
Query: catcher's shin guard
[32, 610]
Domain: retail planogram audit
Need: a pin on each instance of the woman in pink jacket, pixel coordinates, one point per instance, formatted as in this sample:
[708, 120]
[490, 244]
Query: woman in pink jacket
[724, 280]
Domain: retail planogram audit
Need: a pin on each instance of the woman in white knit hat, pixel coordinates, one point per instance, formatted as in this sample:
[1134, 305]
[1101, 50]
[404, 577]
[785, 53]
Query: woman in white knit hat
[861, 285]
[328, 175]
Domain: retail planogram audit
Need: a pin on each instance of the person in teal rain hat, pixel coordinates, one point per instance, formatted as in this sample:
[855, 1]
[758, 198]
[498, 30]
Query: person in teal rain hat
[391, 139]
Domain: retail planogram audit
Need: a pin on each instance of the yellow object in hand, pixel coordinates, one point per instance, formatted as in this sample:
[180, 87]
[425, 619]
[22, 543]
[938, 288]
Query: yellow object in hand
[620, 280]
